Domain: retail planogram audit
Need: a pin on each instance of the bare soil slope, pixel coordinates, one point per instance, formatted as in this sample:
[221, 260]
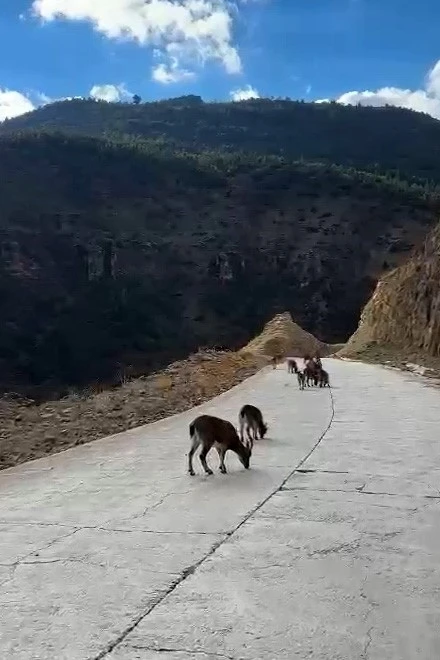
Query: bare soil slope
[282, 336]
[402, 319]
[29, 431]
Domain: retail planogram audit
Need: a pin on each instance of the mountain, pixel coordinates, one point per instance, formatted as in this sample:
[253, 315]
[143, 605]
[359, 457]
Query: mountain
[403, 315]
[119, 255]
[376, 139]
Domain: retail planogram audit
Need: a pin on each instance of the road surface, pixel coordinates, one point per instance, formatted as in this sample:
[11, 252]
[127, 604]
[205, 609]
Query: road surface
[327, 548]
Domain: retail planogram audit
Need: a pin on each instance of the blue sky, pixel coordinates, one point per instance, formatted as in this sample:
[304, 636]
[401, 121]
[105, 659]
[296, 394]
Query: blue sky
[368, 51]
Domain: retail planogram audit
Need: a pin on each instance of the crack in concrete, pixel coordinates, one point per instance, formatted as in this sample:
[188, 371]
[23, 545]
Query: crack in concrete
[55, 561]
[157, 504]
[163, 649]
[367, 644]
[314, 470]
[80, 560]
[102, 528]
[158, 531]
[358, 490]
[191, 569]
[372, 604]
[35, 553]
[35, 524]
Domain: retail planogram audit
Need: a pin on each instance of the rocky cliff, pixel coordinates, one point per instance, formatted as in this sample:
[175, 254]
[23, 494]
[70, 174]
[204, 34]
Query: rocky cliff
[118, 257]
[403, 314]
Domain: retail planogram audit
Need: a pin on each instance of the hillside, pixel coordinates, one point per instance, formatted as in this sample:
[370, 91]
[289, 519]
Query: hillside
[30, 430]
[118, 257]
[379, 139]
[403, 316]
[281, 336]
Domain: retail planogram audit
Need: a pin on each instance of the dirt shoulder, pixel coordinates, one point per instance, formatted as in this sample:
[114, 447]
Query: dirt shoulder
[413, 361]
[29, 431]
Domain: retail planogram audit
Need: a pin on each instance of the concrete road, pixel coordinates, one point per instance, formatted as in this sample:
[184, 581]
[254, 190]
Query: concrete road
[328, 548]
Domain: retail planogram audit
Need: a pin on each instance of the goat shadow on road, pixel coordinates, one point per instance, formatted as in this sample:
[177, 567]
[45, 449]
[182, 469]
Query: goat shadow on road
[312, 389]
[233, 473]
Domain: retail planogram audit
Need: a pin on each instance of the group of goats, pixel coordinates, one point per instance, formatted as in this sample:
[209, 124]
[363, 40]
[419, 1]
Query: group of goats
[207, 431]
[312, 373]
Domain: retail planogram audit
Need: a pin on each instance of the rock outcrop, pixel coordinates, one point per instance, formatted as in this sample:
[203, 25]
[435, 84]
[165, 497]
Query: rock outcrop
[125, 256]
[404, 311]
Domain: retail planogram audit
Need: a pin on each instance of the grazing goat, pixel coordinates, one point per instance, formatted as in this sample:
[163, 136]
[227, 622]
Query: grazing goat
[292, 367]
[324, 378]
[311, 374]
[301, 375]
[210, 431]
[250, 419]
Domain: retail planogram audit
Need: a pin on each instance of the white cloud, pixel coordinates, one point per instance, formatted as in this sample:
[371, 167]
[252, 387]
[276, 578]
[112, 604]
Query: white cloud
[171, 72]
[42, 99]
[426, 99]
[110, 93]
[433, 80]
[193, 31]
[244, 94]
[13, 104]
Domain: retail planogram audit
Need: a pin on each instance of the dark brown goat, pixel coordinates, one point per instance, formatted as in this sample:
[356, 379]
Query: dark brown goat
[311, 373]
[324, 379]
[250, 419]
[301, 375]
[292, 367]
[209, 431]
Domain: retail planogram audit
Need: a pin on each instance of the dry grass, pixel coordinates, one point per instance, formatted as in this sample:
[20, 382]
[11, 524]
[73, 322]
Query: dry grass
[29, 431]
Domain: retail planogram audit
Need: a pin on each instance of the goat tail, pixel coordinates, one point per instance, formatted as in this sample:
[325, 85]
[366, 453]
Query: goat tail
[192, 430]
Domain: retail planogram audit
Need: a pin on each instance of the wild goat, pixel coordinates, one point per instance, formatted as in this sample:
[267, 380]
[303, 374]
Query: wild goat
[301, 375]
[250, 419]
[210, 431]
[311, 374]
[292, 367]
[324, 378]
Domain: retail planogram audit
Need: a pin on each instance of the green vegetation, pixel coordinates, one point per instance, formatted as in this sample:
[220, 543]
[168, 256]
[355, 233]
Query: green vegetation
[386, 140]
[121, 253]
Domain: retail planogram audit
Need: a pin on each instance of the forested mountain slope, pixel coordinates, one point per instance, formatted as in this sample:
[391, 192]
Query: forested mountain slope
[121, 255]
[384, 139]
